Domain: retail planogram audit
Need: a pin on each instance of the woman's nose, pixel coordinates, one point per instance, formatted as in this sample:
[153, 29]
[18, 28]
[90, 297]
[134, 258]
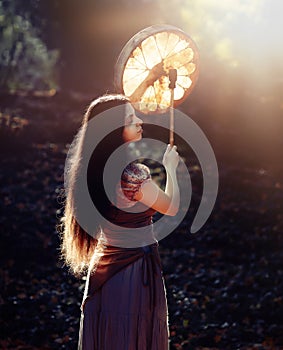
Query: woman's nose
[138, 121]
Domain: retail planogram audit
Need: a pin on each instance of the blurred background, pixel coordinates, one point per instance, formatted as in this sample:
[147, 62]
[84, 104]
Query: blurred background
[225, 283]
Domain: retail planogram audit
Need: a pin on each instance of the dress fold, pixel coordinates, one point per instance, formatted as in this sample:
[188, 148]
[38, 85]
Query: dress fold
[121, 314]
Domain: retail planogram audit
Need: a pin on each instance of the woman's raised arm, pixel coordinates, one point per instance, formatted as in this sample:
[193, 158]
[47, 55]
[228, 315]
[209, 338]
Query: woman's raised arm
[168, 201]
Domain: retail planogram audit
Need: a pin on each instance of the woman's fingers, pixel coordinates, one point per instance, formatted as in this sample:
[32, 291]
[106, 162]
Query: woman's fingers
[171, 156]
[171, 148]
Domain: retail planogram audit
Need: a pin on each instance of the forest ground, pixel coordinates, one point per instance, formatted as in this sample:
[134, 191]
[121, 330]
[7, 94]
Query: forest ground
[224, 284]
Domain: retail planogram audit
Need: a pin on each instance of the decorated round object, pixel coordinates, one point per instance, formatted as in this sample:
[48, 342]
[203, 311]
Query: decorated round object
[145, 65]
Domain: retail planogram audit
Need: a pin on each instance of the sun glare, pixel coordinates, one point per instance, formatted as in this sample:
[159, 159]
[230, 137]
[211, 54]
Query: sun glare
[237, 31]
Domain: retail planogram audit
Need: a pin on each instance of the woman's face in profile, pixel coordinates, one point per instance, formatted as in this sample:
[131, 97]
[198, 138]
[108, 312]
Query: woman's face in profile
[133, 125]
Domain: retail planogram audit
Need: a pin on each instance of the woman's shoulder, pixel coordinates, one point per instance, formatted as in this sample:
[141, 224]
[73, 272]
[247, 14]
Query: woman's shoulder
[133, 176]
[135, 173]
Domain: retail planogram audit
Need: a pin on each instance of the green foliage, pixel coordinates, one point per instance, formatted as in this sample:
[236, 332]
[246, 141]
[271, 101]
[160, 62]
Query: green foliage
[25, 61]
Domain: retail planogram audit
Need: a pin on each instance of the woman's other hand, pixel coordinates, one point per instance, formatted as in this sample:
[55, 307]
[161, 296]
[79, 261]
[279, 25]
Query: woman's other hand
[171, 158]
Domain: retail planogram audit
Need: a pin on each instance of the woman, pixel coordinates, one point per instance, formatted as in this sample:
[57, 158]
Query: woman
[124, 305]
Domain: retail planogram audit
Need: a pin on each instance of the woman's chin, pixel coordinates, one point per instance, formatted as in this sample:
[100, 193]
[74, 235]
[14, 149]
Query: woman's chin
[138, 138]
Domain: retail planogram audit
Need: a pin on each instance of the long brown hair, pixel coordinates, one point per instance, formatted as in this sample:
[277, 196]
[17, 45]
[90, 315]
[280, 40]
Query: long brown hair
[77, 246]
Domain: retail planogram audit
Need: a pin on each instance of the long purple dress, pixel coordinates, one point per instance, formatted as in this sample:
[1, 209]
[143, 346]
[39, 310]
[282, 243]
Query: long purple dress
[124, 306]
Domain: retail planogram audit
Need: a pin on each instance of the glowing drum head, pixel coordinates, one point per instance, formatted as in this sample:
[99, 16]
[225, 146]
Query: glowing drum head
[142, 69]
